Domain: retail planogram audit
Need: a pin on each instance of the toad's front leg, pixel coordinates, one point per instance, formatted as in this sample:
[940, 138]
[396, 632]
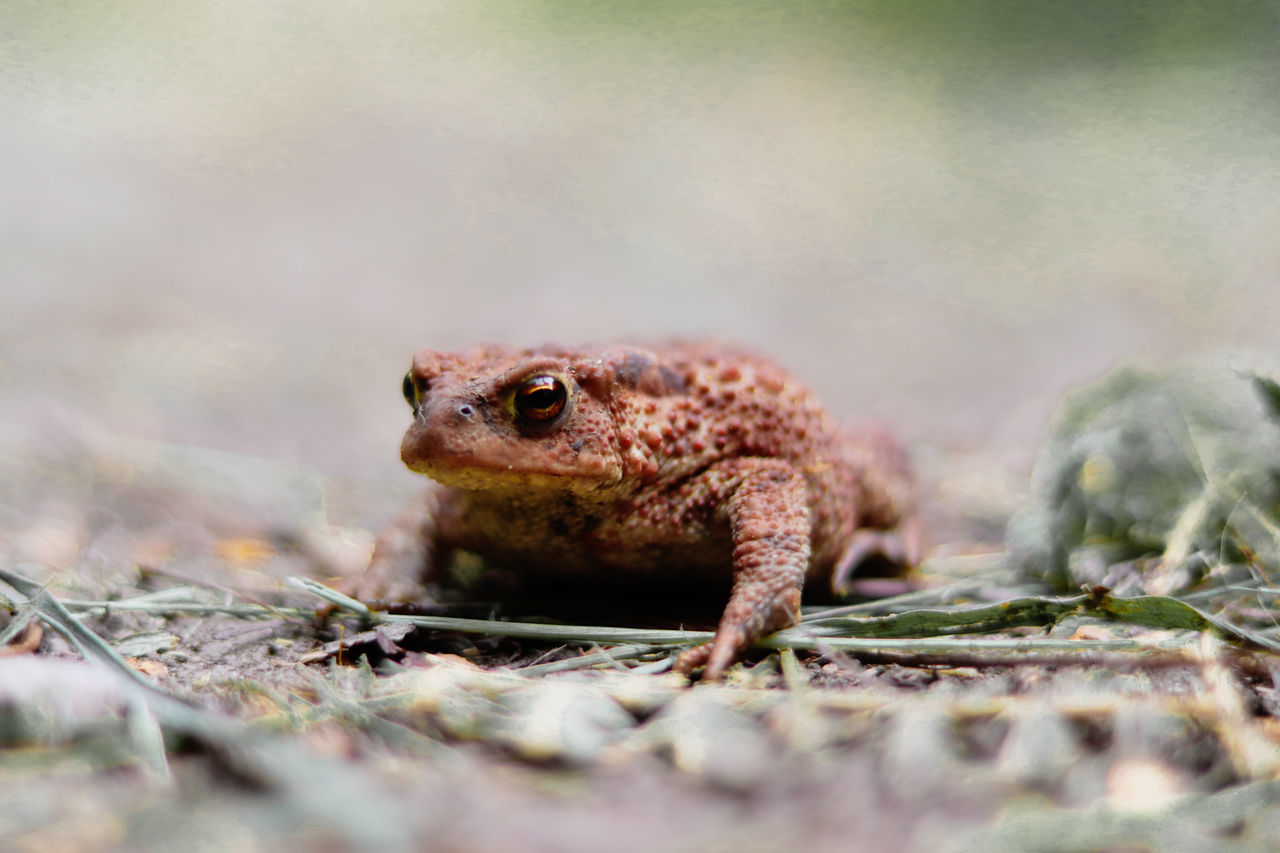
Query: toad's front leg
[768, 516]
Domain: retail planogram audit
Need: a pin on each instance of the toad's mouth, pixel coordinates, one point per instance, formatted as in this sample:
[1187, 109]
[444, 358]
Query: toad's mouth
[501, 463]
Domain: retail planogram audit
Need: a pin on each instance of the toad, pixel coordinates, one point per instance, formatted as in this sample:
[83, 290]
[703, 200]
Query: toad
[672, 465]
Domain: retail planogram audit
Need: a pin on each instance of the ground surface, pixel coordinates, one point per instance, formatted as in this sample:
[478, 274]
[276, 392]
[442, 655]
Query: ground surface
[224, 232]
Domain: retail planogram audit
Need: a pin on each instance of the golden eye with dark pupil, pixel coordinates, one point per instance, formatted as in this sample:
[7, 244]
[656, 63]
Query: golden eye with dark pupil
[410, 392]
[541, 399]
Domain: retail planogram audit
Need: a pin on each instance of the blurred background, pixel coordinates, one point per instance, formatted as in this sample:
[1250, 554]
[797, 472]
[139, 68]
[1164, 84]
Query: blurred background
[225, 227]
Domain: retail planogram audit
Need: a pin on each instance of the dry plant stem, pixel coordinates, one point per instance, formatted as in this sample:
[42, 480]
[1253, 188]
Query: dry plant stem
[245, 611]
[1121, 662]
[1253, 753]
[240, 592]
[922, 633]
[599, 657]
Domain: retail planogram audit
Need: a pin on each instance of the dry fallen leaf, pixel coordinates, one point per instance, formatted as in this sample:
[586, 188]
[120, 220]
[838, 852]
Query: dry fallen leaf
[245, 551]
[1091, 632]
[27, 641]
[149, 667]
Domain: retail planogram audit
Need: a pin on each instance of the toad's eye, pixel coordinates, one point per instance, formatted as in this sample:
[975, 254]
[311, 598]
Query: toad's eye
[540, 399]
[410, 390]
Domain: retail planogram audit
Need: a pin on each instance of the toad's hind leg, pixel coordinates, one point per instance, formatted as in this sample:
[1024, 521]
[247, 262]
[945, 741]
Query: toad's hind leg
[769, 521]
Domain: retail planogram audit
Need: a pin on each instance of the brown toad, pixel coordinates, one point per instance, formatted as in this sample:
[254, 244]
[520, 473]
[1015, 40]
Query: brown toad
[675, 464]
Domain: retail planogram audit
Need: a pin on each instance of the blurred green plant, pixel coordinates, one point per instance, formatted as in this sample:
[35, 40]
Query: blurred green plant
[1158, 482]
